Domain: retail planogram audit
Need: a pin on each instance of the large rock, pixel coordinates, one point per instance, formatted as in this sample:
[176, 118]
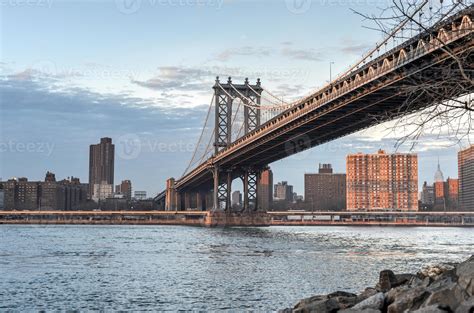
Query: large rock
[320, 306]
[403, 298]
[445, 293]
[465, 273]
[329, 303]
[367, 293]
[433, 271]
[466, 306]
[375, 302]
[352, 310]
[387, 279]
[436, 289]
[431, 309]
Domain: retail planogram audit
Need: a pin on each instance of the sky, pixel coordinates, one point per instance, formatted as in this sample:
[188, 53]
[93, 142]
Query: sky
[142, 71]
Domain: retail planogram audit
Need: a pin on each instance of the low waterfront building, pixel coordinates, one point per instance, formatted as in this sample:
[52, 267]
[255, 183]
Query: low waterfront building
[2, 196]
[115, 204]
[466, 179]
[140, 195]
[382, 181]
[102, 191]
[325, 191]
[21, 194]
[125, 189]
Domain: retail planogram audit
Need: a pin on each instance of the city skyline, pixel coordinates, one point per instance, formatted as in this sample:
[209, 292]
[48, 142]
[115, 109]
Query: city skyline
[298, 183]
[156, 100]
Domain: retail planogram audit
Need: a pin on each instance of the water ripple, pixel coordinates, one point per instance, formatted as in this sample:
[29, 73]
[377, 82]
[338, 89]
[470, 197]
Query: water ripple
[155, 268]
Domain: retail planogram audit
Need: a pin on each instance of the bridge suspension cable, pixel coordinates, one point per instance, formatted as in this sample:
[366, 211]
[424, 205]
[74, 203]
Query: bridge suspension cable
[200, 136]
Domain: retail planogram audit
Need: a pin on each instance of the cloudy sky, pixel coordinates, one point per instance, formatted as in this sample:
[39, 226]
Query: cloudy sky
[143, 70]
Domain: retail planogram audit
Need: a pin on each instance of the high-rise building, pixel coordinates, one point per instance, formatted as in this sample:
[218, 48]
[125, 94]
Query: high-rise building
[101, 167]
[446, 195]
[265, 190]
[283, 192]
[427, 195]
[382, 181]
[325, 190]
[466, 179]
[125, 189]
[236, 198]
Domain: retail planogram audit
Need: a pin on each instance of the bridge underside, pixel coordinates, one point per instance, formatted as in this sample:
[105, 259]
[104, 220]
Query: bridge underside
[426, 80]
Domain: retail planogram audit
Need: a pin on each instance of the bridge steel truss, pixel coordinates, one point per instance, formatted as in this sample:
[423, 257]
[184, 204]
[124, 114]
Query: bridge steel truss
[369, 95]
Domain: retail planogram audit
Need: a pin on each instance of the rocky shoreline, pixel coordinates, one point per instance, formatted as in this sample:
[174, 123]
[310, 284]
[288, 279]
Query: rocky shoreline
[437, 289]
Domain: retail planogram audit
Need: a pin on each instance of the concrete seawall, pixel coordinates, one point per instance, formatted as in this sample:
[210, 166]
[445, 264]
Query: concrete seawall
[234, 219]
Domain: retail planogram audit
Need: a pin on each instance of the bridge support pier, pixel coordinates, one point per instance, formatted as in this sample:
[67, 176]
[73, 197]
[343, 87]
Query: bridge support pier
[187, 200]
[171, 195]
[222, 189]
[200, 200]
[250, 180]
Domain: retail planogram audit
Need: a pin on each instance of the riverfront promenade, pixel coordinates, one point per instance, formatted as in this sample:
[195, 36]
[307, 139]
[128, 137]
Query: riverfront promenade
[210, 219]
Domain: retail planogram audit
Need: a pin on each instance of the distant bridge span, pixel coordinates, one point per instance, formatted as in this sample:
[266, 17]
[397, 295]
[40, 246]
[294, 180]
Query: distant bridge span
[367, 95]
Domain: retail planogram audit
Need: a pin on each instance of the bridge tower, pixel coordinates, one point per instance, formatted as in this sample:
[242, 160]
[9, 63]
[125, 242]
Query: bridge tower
[224, 95]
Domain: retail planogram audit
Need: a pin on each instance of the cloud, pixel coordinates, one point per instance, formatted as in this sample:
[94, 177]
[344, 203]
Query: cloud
[77, 108]
[290, 92]
[350, 46]
[286, 51]
[302, 54]
[244, 51]
[175, 78]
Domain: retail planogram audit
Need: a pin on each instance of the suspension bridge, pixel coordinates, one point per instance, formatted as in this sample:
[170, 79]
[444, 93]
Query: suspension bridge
[248, 127]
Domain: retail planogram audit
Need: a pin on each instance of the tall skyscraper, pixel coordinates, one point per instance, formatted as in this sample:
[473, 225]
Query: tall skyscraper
[101, 168]
[236, 198]
[325, 190]
[466, 179]
[382, 181]
[265, 190]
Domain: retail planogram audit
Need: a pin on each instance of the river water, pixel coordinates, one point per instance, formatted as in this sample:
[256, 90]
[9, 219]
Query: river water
[186, 268]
